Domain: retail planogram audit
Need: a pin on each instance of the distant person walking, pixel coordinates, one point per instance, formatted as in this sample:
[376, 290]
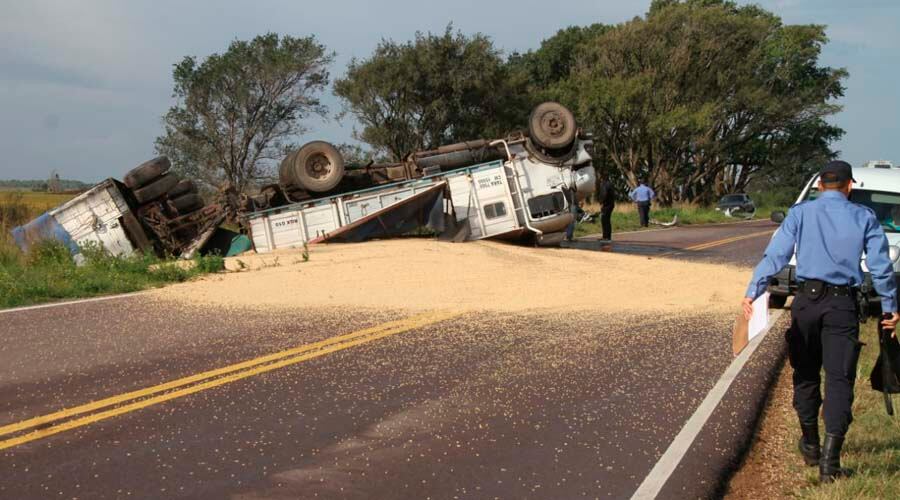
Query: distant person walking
[606, 195]
[642, 196]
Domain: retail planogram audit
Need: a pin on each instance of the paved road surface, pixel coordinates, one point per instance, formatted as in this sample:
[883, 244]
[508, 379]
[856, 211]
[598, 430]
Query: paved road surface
[381, 406]
[740, 243]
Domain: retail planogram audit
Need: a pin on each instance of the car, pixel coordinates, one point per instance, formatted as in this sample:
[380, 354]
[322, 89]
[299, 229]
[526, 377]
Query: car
[876, 188]
[734, 204]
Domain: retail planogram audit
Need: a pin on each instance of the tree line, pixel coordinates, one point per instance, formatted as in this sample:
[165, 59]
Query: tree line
[697, 97]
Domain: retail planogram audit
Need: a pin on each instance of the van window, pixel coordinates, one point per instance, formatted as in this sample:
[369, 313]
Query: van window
[886, 205]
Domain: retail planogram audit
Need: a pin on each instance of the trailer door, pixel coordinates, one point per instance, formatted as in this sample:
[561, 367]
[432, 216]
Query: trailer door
[495, 204]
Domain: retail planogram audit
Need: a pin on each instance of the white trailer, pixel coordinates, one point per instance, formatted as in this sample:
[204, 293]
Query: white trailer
[99, 216]
[499, 199]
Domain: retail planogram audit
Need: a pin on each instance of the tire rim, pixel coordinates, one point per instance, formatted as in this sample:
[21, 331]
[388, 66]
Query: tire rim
[318, 166]
[553, 124]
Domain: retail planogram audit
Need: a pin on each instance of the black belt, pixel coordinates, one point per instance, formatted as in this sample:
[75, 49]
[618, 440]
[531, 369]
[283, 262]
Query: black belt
[817, 288]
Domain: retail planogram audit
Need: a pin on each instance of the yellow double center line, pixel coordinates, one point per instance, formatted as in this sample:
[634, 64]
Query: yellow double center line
[62, 420]
[725, 241]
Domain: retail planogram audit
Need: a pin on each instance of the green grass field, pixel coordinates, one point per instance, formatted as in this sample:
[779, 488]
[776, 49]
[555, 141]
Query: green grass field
[48, 272]
[872, 448]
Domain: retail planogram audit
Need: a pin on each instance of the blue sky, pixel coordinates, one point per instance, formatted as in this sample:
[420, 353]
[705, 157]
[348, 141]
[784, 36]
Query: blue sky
[83, 84]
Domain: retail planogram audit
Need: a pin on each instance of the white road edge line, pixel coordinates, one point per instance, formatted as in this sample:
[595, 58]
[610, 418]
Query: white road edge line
[656, 479]
[71, 302]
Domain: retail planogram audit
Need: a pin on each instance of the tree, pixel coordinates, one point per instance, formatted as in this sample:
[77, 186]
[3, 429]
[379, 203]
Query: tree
[434, 90]
[237, 112]
[701, 95]
[554, 59]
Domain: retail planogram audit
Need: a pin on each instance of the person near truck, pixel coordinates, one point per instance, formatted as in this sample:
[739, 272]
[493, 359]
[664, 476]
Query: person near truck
[606, 195]
[642, 196]
[831, 234]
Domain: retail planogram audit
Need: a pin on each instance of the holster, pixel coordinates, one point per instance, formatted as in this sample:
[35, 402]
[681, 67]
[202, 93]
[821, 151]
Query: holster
[862, 303]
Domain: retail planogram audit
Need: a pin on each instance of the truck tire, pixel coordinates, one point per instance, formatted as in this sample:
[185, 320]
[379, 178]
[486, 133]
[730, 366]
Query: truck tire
[147, 172]
[552, 126]
[155, 189]
[187, 203]
[183, 187]
[285, 177]
[317, 166]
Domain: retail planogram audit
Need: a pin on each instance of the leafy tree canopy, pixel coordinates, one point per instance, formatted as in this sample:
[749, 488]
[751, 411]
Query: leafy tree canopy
[239, 112]
[434, 90]
[699, 96]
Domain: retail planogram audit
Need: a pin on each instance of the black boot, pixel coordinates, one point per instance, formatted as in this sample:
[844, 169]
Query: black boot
[830, 465]
[809, 443]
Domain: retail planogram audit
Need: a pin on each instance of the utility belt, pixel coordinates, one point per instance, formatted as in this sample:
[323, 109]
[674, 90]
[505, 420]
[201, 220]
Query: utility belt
[814, 290]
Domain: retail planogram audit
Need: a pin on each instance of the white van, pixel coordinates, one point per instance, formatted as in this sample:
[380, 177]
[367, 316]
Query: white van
[876, 188]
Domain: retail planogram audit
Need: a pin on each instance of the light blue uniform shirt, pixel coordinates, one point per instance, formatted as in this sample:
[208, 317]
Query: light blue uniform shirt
[642, 193]
[830, 234]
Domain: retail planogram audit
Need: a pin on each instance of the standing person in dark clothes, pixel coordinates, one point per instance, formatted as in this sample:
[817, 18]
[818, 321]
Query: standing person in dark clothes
[829, 236]
[642, 196]
[606, 195]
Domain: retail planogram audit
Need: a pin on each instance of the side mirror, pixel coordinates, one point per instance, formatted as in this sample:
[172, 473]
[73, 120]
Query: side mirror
[777, 216]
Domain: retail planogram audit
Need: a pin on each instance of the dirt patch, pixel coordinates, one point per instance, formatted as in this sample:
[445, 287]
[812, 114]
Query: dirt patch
[769, 470]
[420, 274]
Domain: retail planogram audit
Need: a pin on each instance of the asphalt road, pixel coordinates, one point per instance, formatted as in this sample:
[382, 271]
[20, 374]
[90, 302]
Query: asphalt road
[375, 406]
[740, 243]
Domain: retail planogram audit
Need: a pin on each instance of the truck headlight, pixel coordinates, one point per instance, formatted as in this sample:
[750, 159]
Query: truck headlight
[894, 253]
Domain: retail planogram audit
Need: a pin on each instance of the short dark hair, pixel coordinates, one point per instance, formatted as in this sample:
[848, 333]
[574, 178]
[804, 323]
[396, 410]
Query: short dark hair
[830, 182]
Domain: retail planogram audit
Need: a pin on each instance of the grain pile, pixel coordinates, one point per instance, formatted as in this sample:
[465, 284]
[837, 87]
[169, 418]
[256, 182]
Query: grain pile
[423, 274]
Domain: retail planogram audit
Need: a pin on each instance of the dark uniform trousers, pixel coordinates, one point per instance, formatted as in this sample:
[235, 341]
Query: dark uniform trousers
[606, 221]
[824, 333]
[644, 212]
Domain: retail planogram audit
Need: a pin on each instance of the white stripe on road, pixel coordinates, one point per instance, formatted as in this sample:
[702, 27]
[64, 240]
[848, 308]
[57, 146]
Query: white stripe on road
[71, 302]
[666, 465]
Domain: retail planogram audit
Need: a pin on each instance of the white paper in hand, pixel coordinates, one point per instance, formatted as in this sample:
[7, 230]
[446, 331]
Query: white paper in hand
[760, 317]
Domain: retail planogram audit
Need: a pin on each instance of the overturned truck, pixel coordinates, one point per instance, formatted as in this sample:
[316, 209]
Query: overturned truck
[522, 186]
[151, 211]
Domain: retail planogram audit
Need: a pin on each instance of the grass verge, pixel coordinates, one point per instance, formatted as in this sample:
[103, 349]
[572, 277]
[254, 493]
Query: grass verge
[872, 448]
[49, 273]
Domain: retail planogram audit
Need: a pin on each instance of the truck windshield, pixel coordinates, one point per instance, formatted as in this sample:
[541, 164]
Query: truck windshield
[885, 204]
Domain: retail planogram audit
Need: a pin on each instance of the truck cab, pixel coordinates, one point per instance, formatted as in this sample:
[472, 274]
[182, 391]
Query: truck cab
[876, 188]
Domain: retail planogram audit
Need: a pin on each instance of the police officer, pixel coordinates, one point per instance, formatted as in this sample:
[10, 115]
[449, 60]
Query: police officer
[831, 234]
[642, 195]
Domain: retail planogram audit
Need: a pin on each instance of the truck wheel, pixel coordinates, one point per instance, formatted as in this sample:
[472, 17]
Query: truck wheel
[184, 186]
[318, 166]
[187, 203]
[147, 172]
[155, 189]
[777, 301]
[552, 126]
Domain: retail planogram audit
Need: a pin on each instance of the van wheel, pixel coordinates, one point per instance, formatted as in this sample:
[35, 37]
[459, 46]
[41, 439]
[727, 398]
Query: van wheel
[155, 189]
[777, 301]
[146, 172]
